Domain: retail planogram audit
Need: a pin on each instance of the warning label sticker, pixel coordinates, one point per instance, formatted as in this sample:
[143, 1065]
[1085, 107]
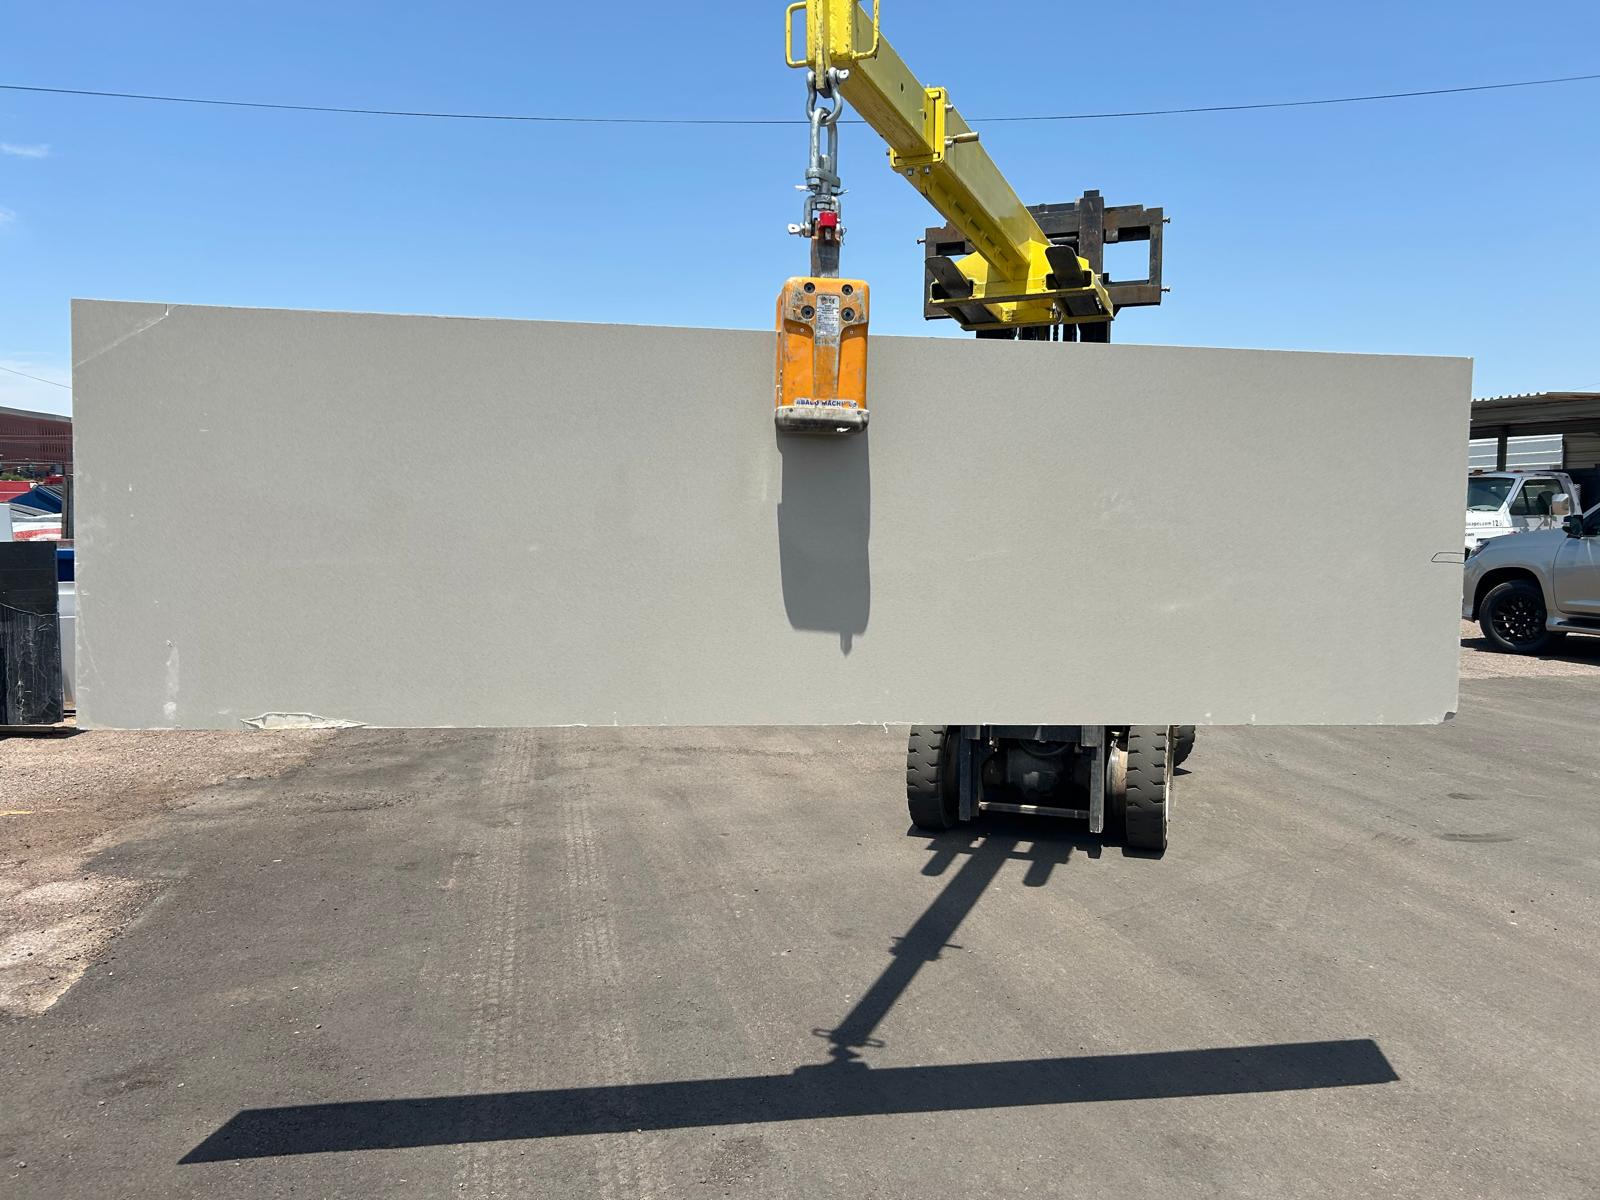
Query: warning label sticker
[827, 318]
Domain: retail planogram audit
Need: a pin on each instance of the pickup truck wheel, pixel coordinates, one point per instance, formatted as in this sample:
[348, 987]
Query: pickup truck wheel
[1182, 743]
[1512, 617]
[931, 778]
[1149, 791]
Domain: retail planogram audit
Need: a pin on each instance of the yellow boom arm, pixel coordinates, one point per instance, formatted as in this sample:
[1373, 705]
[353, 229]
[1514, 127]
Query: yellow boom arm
[1016, 276]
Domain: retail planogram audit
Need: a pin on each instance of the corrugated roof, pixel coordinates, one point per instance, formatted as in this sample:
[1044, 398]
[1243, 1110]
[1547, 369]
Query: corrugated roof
[1536, 413]
[1538, 397]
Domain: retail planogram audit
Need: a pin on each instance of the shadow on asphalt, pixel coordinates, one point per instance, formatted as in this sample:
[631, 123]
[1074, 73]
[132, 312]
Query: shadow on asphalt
[1576, 648]
[845, 1086]
[830, 1090]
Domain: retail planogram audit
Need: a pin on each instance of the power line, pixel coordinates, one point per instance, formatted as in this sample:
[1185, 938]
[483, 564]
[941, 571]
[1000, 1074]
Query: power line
[1215, 108]
[579, 120]
[35, 378]
[399, 112]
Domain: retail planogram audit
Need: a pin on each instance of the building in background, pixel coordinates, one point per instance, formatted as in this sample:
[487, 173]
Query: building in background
[1543, 429]
[36, 471]
[34, 445]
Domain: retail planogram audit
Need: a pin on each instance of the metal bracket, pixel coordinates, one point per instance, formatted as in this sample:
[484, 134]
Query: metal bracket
[968, 785]
[877, 32]
[788, 35]
[1094, 742]
[935, 106]
[788, 32]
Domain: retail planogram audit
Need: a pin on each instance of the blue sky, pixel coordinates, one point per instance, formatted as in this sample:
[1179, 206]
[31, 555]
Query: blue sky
[1451, 225]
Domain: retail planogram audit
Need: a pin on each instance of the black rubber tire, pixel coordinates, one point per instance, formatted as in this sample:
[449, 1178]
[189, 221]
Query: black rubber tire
[1512, 617]
[931, 794]
[1182, 744]
[1150, 763]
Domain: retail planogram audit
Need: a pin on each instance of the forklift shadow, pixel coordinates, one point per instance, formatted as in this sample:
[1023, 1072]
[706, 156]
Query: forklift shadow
[1050, 841]
[824, 527]
[993, 839]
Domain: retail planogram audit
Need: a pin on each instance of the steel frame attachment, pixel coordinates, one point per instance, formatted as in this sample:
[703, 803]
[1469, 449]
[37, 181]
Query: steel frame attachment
[1085, 227]
[977, 743]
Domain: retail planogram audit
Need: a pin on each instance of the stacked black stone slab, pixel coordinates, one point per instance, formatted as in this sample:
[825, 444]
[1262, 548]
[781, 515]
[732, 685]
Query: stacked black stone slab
[30, 635]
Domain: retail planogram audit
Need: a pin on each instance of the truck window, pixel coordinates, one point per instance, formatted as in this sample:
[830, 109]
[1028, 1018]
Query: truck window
[1535, 497]
[1487, 493]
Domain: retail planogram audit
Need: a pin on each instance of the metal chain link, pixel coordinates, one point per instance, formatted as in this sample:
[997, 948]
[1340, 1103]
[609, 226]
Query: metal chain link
[822, 185]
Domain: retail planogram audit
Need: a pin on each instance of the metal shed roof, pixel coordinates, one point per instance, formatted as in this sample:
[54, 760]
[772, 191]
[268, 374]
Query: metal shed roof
[1537, 412]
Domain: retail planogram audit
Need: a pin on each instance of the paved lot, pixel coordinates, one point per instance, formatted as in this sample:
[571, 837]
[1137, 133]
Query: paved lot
[687, 963]
[1577, 657]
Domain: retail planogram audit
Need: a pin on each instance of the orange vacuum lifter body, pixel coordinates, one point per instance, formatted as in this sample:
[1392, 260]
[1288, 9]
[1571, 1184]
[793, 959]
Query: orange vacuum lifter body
[822, 355]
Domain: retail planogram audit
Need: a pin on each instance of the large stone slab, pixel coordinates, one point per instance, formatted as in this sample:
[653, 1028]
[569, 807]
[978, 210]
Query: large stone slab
[438, 521]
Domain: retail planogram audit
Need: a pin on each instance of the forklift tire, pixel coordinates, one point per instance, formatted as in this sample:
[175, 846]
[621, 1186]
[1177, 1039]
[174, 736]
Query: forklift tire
[1150, 763]
[931, 778]
[1183, 743]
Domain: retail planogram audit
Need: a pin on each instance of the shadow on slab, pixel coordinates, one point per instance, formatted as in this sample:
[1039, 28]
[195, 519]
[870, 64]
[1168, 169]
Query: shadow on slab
[809, 1093]
[824, 527]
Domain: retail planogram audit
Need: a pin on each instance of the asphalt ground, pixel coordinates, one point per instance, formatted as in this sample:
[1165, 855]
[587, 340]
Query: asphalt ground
[631, 963]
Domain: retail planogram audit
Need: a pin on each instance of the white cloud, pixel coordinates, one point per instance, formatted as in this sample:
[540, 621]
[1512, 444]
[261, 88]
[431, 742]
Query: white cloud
[41, 150]
[7, 215]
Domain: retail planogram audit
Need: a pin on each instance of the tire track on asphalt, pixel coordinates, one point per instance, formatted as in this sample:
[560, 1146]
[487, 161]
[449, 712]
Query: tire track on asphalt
[624, 1166]
[494, 991]
[533, 1015]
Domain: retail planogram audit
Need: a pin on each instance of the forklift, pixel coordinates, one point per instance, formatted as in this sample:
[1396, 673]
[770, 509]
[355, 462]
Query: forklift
[1001, 270]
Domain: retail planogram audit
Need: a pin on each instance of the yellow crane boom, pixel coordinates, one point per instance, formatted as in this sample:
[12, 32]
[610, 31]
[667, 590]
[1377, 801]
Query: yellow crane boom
[1015, 275]
[996, 269]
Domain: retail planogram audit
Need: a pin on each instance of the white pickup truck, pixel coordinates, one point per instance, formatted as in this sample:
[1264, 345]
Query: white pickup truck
[1502, 502]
